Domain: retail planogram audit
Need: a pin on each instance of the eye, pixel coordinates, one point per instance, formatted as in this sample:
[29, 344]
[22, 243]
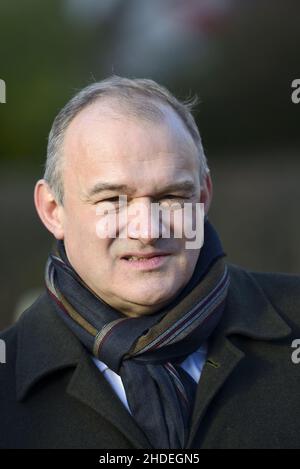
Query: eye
[172, 196]
[109, 205]
[175, 197]
[172, 201]
[108, 200]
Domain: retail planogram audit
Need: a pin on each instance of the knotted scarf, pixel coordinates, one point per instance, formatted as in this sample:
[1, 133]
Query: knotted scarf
[144, 350]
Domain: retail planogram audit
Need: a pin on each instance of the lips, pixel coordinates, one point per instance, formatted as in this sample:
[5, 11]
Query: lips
[142, 256]
[135, 258]
[145, 262]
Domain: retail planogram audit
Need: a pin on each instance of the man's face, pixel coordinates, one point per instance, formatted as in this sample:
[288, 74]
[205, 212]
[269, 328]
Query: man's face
[102, 146]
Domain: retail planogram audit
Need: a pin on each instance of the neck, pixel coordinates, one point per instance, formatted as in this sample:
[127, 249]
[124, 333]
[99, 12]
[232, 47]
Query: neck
[135, 310]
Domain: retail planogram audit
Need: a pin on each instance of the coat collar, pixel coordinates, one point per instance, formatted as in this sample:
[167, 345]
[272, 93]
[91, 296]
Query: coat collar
[249, 312]
[46, 345]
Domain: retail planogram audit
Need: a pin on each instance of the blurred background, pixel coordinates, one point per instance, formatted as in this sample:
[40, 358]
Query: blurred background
[239, 56]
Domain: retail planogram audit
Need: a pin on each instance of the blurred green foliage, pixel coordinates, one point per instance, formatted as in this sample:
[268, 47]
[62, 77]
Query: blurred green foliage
[243, 83]
[44, 59]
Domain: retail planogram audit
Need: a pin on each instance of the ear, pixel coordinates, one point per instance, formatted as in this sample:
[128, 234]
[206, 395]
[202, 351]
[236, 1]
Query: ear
[50, 212]
[206, 193]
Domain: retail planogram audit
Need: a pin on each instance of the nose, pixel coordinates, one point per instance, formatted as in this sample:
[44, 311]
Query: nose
[143, 223]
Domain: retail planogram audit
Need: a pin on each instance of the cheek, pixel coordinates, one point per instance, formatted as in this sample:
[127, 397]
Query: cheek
[107, 226]
[181, 222]
[82, 240]
[80, 223]
[185, 262]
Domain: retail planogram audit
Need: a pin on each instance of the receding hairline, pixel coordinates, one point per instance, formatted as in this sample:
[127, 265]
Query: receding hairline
[140, 98]
[114, 107]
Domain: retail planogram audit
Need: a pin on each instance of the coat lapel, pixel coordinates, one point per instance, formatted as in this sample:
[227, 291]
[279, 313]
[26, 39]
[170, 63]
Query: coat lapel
[90, 387]
[248, 313]
[46, 345]
[223, 358]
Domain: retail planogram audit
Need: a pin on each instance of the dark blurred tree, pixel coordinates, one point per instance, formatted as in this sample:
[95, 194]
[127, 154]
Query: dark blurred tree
[245, 87]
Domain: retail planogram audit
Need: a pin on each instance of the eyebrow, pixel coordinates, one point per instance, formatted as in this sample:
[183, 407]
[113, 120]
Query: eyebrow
[183, 186]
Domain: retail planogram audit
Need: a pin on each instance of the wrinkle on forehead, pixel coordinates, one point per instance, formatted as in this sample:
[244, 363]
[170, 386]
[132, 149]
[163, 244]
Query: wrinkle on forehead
[89, 128]
[106, 144]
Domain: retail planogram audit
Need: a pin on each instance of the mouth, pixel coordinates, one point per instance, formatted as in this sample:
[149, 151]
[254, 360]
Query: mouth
[145, 262]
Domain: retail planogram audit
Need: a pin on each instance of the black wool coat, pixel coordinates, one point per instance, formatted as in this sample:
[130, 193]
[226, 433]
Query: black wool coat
[53, 396]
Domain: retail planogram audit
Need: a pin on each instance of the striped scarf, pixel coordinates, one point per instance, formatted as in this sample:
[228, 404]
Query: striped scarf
[144, 350]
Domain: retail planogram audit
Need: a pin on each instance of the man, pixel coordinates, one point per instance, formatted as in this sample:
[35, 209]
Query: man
[140, 339]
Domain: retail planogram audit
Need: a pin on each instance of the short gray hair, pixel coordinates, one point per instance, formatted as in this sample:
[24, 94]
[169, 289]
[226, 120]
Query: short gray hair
[139, 96]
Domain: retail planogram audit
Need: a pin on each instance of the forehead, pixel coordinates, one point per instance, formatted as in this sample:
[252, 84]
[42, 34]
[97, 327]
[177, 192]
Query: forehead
[103, 143]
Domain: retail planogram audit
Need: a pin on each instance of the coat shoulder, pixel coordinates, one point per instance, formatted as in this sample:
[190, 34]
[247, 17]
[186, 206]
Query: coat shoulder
[282, 289]
[9, 337]
[10, 333]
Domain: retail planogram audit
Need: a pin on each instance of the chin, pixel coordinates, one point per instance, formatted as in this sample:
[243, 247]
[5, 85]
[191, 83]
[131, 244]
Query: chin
[153, 297]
